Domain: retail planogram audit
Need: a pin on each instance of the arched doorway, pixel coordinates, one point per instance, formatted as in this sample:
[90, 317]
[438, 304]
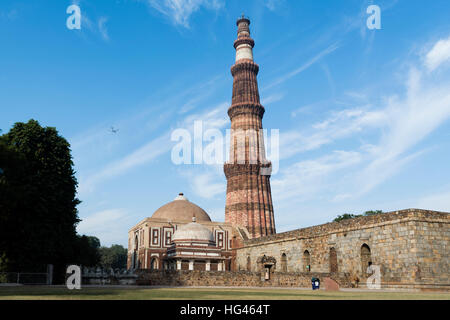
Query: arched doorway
[135, 253]
[306, 261]
[366, 258]
[154, 264]
[333, 260]
[283, 262]
[267, 266]
[249, 264]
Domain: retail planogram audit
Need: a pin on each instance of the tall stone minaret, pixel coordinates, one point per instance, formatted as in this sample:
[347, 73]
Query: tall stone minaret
[249, 199]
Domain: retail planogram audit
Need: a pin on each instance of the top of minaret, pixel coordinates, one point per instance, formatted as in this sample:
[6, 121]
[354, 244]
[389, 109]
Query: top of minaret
[244, 43]
[243, 18]
[243, 24]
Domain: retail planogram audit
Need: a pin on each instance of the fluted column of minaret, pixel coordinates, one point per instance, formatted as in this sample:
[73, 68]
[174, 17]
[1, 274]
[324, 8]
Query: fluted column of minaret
[249, 201]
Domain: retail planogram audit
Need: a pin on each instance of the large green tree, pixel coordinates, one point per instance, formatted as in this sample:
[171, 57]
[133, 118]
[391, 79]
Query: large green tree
[38, 201]
[113, 257]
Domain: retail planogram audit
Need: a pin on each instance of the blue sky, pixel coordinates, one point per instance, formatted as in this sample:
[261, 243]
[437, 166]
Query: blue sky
[363, 114]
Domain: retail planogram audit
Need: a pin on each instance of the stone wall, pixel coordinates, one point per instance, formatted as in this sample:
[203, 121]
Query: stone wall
[412, 248]
[232, 279]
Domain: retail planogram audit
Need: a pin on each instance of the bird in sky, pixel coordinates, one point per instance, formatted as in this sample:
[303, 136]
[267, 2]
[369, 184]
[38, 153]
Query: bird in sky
[114, 130]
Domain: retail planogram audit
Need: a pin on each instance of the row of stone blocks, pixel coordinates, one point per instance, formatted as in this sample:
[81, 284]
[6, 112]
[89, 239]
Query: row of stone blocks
[234, 279]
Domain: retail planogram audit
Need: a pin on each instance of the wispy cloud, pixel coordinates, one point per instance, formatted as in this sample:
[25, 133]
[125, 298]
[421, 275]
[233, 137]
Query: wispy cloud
[400, 121]
[411, 120]
[439, 54]
[340, 124]
[110, 226]
[142, 155]
[272, 98]
[305, 66]
[272, 5]
[102, 28]
[205, 182]
[305, 179]
[214, 118]
[438, 201]
[9, 15]
[180, 11]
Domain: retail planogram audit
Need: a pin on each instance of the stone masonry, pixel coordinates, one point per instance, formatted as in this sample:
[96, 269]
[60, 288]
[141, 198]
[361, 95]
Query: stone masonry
[410, 246]
[230, 279]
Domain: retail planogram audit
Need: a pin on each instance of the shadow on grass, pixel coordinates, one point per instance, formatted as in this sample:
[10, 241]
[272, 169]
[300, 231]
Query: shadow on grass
[37, 291]
[180, 293]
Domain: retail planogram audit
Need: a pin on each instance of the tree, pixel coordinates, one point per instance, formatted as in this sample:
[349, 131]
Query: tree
[37, 203]
[373, 212]
[346, 216]
[114, 257]
[87, 251]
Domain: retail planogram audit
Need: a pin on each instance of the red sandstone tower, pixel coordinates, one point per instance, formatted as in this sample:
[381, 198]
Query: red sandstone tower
[249, 199]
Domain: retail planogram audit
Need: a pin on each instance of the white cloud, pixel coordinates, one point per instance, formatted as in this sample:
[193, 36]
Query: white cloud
[180, 11]
[87, 23]
[272, 98]
[340, 124]
[10, 15]
[110, 226]
[411, 120]
[402, 121]
[99, 143]
[439, 54]
[305, 66]
[438, 201]
[272, 5]
[208, 184]
[102, 28]
[142, 155]
[214, 118]
[304, 179]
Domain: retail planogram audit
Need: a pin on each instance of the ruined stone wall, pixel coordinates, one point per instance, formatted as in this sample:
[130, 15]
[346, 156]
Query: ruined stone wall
[410, 246]
[228, 279]
[432, 251]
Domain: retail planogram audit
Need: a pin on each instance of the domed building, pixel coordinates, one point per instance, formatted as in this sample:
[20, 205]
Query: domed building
[180, 235]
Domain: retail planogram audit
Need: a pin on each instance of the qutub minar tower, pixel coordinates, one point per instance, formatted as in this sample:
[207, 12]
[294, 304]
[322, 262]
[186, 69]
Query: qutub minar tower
[249, 198]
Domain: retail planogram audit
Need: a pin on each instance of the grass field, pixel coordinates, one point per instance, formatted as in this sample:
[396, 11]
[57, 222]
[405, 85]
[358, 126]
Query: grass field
[137, 293]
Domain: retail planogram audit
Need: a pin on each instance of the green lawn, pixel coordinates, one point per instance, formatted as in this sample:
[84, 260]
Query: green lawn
[105, 293]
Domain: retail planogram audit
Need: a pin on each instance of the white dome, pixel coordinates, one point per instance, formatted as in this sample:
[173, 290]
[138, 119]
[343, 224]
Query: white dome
[193, 231]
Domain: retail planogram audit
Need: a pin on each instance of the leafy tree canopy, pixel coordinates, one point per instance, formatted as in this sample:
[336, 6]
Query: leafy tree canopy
[114, 257]
[346, 216]
[38, 214]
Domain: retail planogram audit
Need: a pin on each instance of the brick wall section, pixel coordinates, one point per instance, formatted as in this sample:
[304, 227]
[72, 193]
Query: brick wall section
[231, 279]
[412, 247]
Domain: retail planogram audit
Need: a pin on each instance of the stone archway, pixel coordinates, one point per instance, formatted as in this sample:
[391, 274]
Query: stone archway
[283, 262]
[333, 260]
[306, 261]
[366, 258]
[154, 263]
[267, 265]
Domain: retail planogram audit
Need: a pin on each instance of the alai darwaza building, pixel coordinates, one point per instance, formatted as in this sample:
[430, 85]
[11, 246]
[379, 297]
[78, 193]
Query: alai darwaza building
[180, 236]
